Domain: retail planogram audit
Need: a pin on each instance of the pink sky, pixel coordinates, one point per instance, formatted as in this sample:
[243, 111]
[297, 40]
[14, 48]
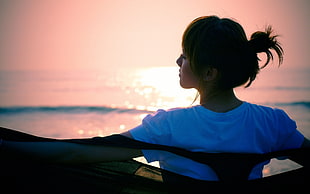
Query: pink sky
[99, 34]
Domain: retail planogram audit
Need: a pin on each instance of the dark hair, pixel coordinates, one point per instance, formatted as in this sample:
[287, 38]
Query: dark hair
[222, 44]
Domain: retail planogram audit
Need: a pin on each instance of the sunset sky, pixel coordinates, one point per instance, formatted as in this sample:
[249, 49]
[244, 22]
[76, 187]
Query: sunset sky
[104, 34]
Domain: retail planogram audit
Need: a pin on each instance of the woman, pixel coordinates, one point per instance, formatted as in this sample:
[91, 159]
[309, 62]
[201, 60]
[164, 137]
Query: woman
[216, 58]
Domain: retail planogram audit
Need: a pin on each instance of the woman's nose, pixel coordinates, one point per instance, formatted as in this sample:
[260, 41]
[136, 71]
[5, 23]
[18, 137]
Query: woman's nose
[179, 61]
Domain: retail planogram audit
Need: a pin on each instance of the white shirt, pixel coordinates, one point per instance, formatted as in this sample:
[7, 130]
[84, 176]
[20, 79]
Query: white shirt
[248, 128]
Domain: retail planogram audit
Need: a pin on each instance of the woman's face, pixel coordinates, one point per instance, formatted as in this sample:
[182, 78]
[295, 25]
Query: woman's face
[187, 77]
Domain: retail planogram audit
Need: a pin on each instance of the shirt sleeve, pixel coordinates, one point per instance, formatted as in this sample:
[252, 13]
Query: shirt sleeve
[289, 136]
[154, 129]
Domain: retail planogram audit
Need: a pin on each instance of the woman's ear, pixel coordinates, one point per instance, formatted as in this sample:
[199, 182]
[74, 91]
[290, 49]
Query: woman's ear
[210, 74]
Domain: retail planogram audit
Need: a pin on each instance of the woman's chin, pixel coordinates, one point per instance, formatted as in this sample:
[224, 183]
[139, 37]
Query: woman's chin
[184, 86]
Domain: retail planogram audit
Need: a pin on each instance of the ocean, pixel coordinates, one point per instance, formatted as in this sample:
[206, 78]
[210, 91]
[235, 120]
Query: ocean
[88, 103]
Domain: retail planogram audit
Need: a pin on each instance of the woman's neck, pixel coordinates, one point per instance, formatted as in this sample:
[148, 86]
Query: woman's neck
[220, 100]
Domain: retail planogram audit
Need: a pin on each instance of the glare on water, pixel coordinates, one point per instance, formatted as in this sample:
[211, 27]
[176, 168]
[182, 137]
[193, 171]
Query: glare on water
[163, 84]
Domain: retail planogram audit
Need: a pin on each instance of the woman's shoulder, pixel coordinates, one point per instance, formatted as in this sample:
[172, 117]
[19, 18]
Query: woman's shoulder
[248, 108]
[170, 115]
[176, 110]
[271, 115]
[265, 109]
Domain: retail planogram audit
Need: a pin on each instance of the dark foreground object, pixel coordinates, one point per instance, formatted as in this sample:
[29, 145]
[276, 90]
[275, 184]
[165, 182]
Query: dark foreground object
[25, 176]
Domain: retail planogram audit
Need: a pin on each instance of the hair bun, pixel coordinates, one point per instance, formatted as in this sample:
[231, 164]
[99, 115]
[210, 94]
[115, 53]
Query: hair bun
[263, 42]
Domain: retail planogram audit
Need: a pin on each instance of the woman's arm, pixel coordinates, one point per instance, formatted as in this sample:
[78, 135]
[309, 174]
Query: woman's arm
[63, 152]
[302, 159]
[306, 143]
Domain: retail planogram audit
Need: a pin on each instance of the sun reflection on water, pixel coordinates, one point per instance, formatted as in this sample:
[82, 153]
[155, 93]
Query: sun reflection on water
[160, 87]
[136, 93]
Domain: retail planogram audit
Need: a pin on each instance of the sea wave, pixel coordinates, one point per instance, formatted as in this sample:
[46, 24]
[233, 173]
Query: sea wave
[289, 88]
[305, 104]
[67, 109]
[103, 109]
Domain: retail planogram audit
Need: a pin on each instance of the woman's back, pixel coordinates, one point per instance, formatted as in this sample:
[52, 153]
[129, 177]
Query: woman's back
[248, 128]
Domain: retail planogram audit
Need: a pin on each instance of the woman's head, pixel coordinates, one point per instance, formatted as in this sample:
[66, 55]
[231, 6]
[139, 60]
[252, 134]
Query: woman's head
[221, 44]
